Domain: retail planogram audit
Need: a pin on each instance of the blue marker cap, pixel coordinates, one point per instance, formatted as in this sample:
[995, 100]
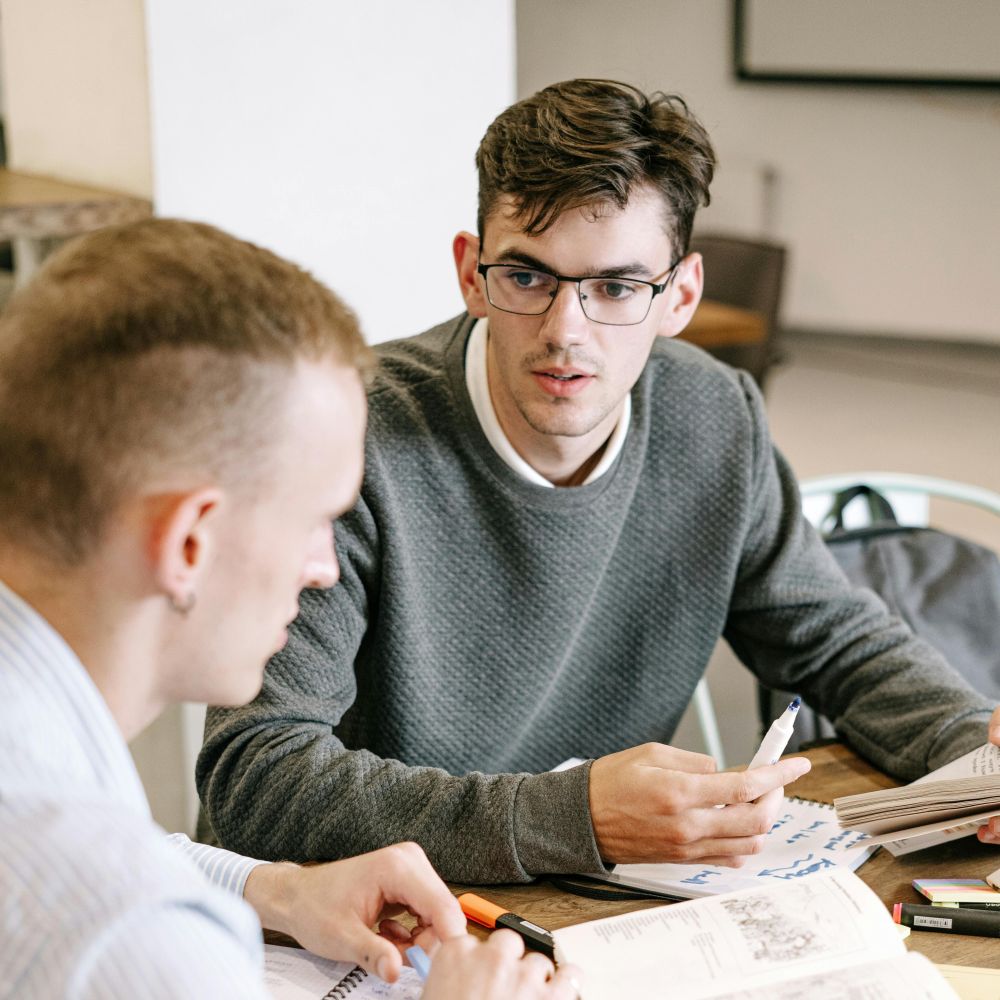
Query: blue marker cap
[420, 961]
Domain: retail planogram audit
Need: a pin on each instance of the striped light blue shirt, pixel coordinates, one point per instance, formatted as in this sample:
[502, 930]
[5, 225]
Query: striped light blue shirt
[95, 901]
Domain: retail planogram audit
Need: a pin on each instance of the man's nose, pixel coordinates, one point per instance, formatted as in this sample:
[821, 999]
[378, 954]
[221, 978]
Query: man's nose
[322, 568]
[565, 322]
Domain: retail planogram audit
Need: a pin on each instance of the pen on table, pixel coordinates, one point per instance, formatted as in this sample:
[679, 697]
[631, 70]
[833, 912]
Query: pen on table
[772, 746]
[420, 961]
[931, 918]
[482, 911]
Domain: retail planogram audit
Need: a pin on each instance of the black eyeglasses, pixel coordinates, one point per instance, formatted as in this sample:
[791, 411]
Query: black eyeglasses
[605, 299]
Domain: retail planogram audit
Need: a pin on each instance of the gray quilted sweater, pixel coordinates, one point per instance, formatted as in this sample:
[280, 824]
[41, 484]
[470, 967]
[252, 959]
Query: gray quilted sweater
[487, 628]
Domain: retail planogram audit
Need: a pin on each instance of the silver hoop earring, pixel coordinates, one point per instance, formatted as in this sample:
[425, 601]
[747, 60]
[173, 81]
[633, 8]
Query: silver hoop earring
[182, 607]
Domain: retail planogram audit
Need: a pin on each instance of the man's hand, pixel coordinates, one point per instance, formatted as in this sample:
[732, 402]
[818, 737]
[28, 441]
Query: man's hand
[495, 970]
[990, 832]
[656, 803]
[331, 909]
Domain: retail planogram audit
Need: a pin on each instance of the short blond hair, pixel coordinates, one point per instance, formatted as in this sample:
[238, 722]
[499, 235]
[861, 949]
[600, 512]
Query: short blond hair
[144, 349]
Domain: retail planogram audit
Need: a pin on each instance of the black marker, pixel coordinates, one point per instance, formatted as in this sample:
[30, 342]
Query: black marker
[482, 911]
[937, 918]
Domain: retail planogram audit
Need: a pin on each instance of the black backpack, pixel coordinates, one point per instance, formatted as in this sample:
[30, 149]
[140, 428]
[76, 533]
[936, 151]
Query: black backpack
[946, 588]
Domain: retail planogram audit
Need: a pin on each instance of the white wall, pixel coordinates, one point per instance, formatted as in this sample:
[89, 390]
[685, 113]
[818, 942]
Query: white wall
[339, 134]
[75, 94]
[888, 198]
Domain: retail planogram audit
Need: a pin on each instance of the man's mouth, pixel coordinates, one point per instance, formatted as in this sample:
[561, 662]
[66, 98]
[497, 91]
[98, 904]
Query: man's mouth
[562, 381]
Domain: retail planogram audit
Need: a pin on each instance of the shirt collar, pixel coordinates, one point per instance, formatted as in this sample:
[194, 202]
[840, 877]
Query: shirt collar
[477, 383]
[57, 733]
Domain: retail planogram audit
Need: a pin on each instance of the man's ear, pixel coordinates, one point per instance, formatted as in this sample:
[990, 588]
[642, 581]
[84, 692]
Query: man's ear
[181, 541]
[465, 249]
[682, 296]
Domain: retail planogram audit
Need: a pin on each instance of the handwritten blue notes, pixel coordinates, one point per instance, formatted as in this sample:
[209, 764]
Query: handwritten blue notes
[805, 839]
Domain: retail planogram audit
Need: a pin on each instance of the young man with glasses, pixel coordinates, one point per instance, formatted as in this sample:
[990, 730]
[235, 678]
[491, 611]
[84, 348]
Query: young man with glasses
[563, 510]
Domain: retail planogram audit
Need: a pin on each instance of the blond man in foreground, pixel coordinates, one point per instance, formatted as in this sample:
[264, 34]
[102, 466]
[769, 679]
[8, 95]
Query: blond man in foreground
[181, 420]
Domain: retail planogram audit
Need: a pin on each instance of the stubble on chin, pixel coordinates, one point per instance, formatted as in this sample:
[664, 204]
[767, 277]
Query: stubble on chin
[563, 417]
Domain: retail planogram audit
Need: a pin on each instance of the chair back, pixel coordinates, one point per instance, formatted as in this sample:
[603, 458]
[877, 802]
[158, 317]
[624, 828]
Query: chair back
[748, 274]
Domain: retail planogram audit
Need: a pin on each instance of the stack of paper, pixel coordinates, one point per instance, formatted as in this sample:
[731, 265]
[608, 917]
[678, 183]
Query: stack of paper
[912, 805]
[972, 892]
[958, 797]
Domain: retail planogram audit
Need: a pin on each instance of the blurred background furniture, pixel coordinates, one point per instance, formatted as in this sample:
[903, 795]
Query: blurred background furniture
[955, 605]
[747, 275]
[37, 210]
[716, 325]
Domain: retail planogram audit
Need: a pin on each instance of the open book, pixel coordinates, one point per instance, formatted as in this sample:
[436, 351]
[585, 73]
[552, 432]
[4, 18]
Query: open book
[953, 801]
[827, 937]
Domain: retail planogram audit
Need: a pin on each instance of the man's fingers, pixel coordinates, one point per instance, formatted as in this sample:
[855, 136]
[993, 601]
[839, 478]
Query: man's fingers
[675, 759]
[395, 932]
[566, 983]
[729, 787]
[414, 884]
[373, 953]
[989, 833]
[536, 966]
[995, 726]
[506, 942]
[708, 835]
[729, 852]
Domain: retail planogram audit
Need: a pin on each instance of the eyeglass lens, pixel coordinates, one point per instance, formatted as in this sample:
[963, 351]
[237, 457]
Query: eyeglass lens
[616, 301]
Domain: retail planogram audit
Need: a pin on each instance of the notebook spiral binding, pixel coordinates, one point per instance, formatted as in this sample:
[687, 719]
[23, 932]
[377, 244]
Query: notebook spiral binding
[812, 802]
[346, 985]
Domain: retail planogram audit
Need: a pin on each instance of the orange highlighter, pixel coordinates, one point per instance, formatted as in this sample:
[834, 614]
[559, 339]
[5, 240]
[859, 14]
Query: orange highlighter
[482, 911]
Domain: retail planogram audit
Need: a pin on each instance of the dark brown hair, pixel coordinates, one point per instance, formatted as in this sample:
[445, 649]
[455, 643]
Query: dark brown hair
[591, 143]
[144, 351]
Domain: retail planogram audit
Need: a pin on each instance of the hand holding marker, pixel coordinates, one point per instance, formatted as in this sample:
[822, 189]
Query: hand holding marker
[772, 746]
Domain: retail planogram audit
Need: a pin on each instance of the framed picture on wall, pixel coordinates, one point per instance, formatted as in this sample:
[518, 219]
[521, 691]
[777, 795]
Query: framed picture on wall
[943, 43]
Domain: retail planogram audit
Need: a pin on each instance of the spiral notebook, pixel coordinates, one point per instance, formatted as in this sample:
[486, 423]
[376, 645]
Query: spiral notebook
[805, 839]
[295, 974]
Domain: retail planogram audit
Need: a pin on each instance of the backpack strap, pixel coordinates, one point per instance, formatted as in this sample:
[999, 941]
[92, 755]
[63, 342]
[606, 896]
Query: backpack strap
[879, 508]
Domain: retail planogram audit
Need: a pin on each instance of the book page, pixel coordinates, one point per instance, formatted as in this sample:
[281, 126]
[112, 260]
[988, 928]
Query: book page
[805, 839]
[982, 760]
[943, 805]
[741, 941]
[911, 975]
[916, 838]
[971, 983]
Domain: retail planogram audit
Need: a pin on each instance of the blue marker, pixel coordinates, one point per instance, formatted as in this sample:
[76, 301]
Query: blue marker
[420, 961]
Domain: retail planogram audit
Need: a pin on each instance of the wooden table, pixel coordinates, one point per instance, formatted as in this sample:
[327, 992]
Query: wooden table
[836, 771]
[33, 209]
[717, 325]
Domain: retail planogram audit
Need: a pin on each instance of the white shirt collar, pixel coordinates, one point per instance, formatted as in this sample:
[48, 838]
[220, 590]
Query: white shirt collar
[477, 383]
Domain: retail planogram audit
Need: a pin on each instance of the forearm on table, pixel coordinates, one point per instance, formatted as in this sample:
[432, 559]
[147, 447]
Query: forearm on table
[297, 796]
[889, 694]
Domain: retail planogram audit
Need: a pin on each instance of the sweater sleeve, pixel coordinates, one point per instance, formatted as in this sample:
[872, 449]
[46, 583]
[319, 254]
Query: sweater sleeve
[278, 783]
[798, 623]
